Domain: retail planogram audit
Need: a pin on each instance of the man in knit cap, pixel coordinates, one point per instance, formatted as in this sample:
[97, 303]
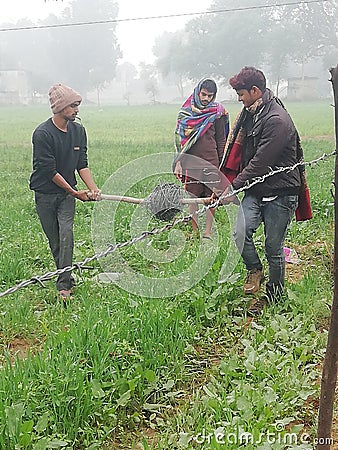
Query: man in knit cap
[59, 150]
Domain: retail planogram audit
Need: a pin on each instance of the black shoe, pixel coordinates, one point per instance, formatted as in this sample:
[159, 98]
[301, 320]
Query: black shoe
[274, 292]
[256, 307]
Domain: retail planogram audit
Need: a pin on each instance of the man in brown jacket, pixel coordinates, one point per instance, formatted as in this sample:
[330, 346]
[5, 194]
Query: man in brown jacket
[266, 139]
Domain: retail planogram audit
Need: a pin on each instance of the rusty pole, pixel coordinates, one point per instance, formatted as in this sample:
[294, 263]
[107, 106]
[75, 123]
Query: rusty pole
[329, 374]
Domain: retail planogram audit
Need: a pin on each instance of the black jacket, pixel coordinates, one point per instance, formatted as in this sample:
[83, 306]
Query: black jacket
[270, 142]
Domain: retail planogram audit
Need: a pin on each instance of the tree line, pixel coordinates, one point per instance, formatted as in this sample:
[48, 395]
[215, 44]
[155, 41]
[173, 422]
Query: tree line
[272, 37]
[217, 44]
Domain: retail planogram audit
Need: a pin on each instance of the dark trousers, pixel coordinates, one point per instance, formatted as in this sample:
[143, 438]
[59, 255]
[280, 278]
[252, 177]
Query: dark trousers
[276, 215]
[56, 213]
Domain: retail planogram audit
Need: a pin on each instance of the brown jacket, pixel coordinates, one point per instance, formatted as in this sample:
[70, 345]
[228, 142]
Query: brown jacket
[270, 142]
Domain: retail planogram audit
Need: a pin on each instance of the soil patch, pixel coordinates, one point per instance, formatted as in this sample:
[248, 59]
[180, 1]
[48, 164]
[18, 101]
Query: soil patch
[306, 255]
[19, 348]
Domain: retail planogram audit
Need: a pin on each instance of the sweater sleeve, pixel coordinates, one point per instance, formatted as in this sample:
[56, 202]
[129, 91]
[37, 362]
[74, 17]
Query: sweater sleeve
[83, 159]
[44, 154]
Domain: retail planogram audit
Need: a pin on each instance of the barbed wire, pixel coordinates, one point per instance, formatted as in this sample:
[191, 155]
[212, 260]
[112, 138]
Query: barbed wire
[271, 172]
[111, 248]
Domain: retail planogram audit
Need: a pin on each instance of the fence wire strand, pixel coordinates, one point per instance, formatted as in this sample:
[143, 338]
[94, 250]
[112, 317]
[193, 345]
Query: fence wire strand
[111, 248]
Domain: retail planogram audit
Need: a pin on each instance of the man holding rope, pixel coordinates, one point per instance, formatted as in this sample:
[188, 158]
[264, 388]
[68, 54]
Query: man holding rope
[201, 131]
[262, 139]
[60, 149]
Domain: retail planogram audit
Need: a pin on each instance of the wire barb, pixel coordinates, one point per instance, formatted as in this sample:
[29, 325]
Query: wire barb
[37, 280]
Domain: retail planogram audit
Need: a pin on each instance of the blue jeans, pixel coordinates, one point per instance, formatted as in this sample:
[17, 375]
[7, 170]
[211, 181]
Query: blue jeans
[56, 213]
[276, 215]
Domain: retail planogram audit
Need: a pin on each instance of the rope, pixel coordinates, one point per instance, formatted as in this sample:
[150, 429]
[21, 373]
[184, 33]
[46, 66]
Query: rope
[145, 234]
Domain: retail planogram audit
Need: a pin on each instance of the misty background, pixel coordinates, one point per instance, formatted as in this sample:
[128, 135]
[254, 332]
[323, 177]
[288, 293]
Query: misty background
[294, 43]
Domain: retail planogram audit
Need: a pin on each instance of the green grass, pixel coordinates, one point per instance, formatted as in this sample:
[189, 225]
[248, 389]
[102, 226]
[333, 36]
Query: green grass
[116, 369]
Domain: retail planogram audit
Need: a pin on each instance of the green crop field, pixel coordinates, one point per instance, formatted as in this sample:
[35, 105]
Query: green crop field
[188, 370]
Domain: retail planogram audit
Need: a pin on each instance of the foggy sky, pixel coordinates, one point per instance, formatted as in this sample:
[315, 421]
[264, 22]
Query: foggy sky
[136, 38]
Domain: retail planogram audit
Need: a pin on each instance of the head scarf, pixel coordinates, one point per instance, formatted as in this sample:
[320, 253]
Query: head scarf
[194, 119]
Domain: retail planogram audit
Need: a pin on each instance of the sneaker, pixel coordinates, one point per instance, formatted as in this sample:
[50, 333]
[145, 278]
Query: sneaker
[257, 306]
[253, 281]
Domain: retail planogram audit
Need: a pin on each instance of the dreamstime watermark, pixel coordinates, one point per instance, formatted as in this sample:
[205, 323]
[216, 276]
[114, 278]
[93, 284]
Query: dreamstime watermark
[158, 267]
[278, 436]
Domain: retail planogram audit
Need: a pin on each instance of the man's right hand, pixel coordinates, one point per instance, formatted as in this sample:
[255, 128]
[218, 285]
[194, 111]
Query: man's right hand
[178, 172]
[83, 196]
[226, 198]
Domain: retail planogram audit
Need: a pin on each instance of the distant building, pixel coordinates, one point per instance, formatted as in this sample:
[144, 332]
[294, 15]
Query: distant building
[118, 93]
[303, 88]
[15, 88]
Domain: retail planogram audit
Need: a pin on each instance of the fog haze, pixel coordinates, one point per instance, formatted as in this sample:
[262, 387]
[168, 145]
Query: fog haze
[160, 59]
[136, 38]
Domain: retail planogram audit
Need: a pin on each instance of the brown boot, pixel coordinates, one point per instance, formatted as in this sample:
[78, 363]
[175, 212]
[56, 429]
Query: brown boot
[253, 281]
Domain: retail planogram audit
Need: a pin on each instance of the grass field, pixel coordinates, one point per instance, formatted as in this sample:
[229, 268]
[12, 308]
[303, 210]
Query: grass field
[117, 370]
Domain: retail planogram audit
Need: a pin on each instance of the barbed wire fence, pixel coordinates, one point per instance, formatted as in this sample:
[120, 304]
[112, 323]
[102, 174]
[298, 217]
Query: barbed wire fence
[111, 248]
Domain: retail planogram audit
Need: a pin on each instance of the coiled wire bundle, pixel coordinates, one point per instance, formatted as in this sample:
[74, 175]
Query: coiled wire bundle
[165, 201]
